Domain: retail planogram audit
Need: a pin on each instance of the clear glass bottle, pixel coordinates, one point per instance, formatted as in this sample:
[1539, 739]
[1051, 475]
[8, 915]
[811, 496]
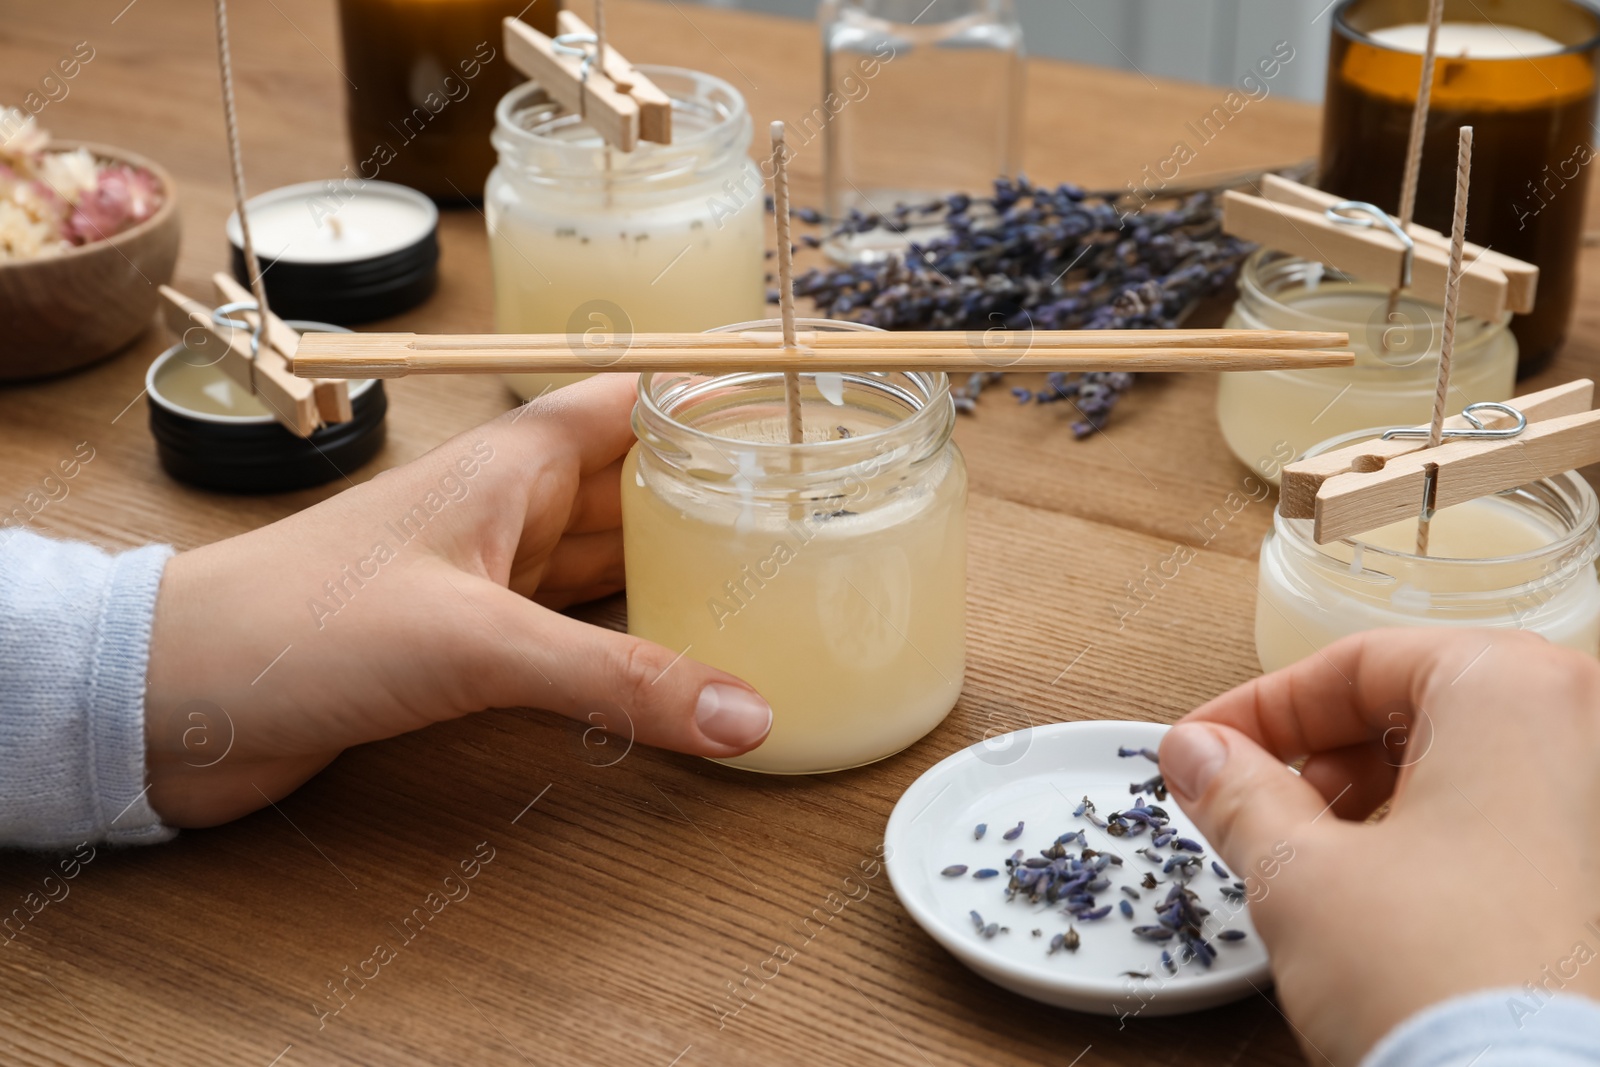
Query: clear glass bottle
[1269, 417]
[585, 238]
[830, 575]
[920, 100]
[1521, 559]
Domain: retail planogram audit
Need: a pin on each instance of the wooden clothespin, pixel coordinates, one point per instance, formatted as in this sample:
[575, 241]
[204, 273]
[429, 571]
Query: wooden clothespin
[1487, 449]
[264, 372]
[256, 348]
[1303, 222]
[588, 77]
[1522, 279]
[332, 394]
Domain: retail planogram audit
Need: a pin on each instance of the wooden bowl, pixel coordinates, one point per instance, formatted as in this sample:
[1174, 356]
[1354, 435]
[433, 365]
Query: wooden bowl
[62, 312]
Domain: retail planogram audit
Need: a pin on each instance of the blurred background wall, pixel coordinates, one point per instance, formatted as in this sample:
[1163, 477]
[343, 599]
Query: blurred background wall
[1212, 41]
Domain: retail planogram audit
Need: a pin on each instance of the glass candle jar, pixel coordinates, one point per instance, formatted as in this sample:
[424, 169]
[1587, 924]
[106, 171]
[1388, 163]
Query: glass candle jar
[1526, 83]
[423, 80]
[894, 71]
[830, 575]
[664, 238]
[1521, 559]
[1269, 417]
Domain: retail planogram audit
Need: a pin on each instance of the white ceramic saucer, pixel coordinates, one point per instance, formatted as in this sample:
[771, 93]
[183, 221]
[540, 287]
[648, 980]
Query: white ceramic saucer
[1039, 776]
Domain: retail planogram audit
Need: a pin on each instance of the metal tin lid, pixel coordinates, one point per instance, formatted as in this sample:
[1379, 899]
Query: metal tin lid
[213, 434]
[342, 251]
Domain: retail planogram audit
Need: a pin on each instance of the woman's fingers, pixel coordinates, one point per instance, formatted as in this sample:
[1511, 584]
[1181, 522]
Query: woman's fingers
[1359, 689]
[1356, 780]
[597, 505]
[589, 422]
[579, 563]
[1243, 799]
[657, 696]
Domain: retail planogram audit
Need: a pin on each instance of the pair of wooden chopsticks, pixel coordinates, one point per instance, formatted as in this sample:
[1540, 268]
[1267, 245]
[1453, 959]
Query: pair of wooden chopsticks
[394, 355]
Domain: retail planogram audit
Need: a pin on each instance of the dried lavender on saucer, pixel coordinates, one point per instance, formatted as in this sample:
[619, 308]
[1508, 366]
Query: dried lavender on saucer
[1071, 877]
[1034, 258]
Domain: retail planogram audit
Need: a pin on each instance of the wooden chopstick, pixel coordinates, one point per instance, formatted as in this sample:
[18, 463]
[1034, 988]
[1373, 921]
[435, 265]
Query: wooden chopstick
[377, 355]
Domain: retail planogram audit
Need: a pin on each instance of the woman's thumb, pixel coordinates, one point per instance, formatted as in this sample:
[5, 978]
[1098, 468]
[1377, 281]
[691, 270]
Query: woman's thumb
[1243, 800]
[635, 688]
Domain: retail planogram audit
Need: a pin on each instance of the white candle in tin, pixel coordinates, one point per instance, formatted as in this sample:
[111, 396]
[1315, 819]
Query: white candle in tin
[324, 222]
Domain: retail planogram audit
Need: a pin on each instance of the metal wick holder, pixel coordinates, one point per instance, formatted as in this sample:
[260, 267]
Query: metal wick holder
[1367, 216]
[575, 45]
[219, 315]
[1476, 432]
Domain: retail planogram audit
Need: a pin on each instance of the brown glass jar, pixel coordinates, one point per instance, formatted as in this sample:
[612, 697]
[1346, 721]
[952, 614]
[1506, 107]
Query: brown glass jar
[1531, 115]
[424, 77]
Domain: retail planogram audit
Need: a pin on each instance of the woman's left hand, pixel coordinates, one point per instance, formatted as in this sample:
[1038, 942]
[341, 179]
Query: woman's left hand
[430, 592]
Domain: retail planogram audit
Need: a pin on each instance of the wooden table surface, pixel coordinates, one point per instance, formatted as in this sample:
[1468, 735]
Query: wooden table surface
[618, 908]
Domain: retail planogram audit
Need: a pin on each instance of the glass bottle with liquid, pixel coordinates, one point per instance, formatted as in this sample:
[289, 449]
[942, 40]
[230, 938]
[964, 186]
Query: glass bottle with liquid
[423, 78]
[920, 101]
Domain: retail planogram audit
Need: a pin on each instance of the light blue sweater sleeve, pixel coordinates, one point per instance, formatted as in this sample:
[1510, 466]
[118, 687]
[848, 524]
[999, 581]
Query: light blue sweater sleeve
[74, 646]
[1496, 1028]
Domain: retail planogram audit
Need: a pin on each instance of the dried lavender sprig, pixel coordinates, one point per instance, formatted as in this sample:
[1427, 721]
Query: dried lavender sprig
[1031, 257]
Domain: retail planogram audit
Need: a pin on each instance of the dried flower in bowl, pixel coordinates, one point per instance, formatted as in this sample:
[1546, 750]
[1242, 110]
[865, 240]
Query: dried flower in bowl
[52, 200]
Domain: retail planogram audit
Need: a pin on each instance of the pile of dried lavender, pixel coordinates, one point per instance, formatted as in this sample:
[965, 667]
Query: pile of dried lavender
[1031, 257]
[1057, 876]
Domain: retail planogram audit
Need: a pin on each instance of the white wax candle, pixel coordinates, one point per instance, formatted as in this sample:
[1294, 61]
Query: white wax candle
[1485, 568]
[313, 223]
[1470, 40]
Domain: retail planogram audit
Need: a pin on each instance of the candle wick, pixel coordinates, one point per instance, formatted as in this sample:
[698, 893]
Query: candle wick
[336, 226]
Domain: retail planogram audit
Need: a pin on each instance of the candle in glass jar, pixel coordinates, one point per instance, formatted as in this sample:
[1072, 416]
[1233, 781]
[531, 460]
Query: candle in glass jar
[1469, 40]
[423, 79]
[585, 238]
[1522, 559]
[1268, 417]
[831, 575]
[1522, 73]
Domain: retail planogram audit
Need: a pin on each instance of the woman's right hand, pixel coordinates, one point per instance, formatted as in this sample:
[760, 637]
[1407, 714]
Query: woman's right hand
[1485, 871]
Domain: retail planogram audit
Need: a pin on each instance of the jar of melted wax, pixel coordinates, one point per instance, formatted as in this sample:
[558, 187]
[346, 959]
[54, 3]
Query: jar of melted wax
[1521, 559]
[585, 239]
[1268, 417]
[830, 575]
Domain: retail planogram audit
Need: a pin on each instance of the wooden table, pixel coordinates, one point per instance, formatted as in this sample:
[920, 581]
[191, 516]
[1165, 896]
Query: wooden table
[619, 907]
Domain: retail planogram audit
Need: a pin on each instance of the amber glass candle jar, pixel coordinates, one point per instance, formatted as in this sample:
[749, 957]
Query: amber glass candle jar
[424, 77]
[1527, 86]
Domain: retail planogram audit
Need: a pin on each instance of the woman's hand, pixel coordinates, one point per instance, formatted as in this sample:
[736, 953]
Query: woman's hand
[428, 593]
[1485, 871]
